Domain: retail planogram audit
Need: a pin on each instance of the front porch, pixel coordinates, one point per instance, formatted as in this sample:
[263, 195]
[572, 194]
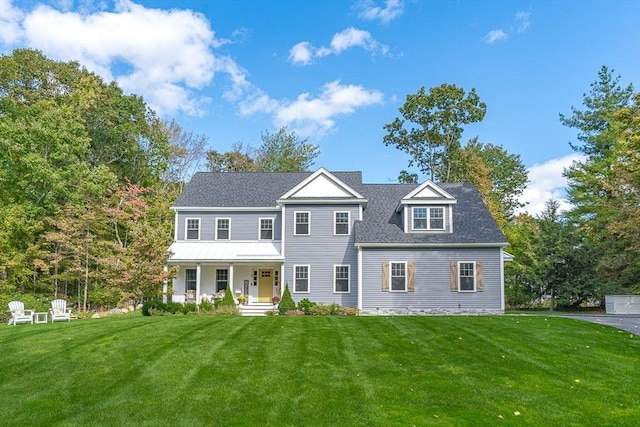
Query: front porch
[206, 269]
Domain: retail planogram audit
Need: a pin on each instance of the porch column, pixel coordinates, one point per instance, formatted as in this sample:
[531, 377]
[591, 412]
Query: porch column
[281, 290]
[231, 280]
[198, 276]
[165, 286]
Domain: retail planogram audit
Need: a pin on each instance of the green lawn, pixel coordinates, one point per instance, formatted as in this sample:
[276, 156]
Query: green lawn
[319, 371]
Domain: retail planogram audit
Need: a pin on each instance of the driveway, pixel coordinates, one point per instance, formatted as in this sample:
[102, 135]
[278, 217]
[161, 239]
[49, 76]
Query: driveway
[630, 323]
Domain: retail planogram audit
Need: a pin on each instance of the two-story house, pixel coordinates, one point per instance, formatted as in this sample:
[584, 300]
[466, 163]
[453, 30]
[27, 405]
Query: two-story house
[383, 248]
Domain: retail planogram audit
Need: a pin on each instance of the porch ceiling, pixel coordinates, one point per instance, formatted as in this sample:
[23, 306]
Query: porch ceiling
[224, 251]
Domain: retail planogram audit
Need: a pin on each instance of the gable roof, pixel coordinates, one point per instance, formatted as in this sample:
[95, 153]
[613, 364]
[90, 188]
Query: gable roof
[382, 222]
[247, 189]
[323, 185]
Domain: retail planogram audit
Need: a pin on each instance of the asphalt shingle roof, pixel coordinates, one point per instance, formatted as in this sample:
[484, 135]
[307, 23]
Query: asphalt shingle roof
[472, 223]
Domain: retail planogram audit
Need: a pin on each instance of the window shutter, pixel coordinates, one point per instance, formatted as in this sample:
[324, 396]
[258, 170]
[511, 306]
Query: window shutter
[411, 287]
[385, 277]
[479, 284]
[454, 276]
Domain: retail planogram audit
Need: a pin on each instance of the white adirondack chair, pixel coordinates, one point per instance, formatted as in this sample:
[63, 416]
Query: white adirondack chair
[19, 314]
[59, 310]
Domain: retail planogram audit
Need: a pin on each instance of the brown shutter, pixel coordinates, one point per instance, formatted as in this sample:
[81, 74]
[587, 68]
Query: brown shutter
[454, 276]
[385, 277]
[479, 282]
[411, 287]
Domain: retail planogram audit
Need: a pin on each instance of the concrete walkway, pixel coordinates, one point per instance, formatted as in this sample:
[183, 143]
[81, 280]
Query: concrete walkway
[630, 323]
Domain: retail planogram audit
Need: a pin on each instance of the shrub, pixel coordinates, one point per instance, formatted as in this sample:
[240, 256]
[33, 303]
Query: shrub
[190, 307]
[306, 305]
[294, 313]
[227, 300]
[174, 308]
[152, 307]
[286, 303]
[271, 313]
[225, 310]
[206, 306]
[350, 311]
[326, 310]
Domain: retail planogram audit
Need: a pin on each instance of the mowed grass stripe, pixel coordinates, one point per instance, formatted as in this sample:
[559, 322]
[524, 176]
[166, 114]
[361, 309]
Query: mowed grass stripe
[319, 371]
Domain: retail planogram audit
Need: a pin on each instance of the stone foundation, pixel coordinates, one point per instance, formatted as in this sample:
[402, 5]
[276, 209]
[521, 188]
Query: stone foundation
[428, 312]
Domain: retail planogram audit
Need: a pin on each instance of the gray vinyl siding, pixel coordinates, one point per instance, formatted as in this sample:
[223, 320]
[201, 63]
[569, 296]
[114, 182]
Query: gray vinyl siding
[432, 280]
[321, 251]
[244, 225]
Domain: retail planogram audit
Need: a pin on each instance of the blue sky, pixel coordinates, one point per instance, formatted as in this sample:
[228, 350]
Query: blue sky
[337, 71]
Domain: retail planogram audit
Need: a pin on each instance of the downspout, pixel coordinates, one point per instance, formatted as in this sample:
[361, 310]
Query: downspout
[165, 283]
[359, 279]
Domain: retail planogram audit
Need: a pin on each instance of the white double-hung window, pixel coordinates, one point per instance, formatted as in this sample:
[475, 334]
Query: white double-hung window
[428, 218]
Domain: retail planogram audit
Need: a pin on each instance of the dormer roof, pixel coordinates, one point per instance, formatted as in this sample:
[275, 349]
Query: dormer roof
[427, 193]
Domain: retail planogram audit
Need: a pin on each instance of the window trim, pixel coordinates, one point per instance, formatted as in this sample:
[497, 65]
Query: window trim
[272, 228]
[295, 284]
[187, 280]
[406, 287]
[335, 223]
[475, 277]
[428, 218]
[335, 278]
[295, 223]
[217, 280]
[186, 227]
[218, 227]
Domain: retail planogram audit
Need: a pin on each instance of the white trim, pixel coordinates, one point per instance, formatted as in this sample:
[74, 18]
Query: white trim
[312, 177]
[295, 213]
[308, 279]
[186, 227]
[348, 291]
[406, 285]
[335, 223]
[502, 257]
[198, 284]
[431, 245]
[283, 234]
[228, 229]
[323, 201]
[360, 284]
[175, 227]
[475, 277]
[428, 219]
[273, 228]
[223, 208]
[434, 187]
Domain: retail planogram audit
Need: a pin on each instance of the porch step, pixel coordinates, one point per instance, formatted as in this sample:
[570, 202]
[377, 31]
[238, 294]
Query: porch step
[255, 309]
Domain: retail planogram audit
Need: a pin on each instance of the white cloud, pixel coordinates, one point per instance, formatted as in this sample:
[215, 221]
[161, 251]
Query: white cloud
[546, 183]
[523, 22]
[303, 53]
[494, 36]
[369, 11]
[164, 55]
[10, 19]
[313, 116]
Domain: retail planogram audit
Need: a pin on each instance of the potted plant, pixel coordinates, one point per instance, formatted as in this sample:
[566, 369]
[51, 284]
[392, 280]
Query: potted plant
[242, 299]
[275, 299]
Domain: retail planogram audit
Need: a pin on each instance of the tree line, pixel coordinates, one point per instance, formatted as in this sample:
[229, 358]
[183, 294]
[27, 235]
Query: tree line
[88, 173]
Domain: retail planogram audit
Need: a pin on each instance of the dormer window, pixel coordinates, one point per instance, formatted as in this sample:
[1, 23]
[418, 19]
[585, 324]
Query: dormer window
[428, 218]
